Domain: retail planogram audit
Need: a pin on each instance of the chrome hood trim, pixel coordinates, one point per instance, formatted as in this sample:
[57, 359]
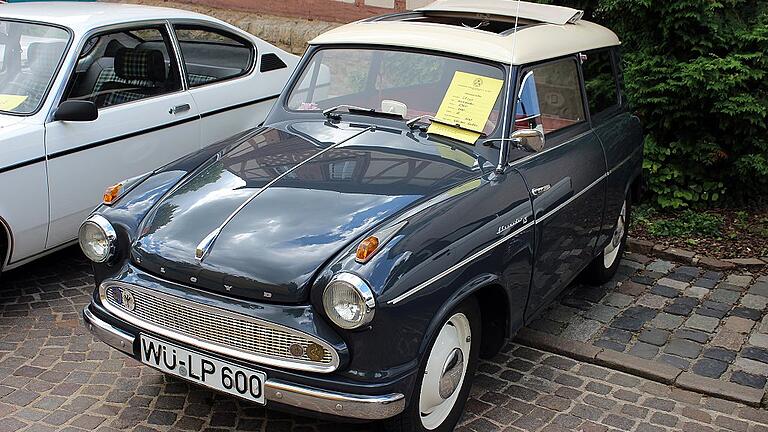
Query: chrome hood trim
[207, 243]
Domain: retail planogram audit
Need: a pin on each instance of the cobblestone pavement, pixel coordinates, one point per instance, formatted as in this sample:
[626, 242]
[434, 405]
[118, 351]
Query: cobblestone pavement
[709, 323]
[54, 376]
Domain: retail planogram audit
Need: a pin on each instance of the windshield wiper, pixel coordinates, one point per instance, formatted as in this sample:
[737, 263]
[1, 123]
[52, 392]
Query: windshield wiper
[358, 110]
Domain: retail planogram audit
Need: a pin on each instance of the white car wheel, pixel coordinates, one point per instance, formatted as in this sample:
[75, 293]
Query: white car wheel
[445, 372]
[611, 252]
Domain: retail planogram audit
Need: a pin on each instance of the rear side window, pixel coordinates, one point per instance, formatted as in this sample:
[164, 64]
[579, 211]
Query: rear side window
[550, 98]
[600, 82]
[212, 55]
[125, 66]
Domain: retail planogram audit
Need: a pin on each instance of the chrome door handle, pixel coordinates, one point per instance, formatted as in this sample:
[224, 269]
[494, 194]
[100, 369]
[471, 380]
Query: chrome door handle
[540, 190]
[179, 109]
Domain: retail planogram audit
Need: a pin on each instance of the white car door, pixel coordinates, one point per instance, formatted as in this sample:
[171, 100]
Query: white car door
[31, 55]
[145, 119]
[233, 77]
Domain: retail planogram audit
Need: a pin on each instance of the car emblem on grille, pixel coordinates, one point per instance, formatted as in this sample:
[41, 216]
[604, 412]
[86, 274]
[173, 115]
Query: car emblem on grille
[315, 352]
[296, 350]
[125, 299]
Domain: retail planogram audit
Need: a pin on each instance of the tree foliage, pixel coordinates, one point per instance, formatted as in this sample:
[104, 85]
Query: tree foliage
[696, 73]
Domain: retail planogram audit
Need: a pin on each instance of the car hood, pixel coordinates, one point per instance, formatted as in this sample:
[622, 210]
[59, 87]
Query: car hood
[318, 188]
[9, 120]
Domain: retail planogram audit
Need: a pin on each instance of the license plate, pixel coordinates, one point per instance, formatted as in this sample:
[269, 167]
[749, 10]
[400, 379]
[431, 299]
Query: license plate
[201, 369]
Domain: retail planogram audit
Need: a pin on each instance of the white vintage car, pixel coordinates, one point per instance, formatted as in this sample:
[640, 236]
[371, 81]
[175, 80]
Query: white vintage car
[93, 93]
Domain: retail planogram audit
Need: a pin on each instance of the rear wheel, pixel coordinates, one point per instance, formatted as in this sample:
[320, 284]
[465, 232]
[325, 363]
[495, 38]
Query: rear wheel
[445, 376]
[604, 266]
[3, 252]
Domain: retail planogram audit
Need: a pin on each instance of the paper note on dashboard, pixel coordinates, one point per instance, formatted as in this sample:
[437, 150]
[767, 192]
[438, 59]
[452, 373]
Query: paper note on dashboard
[454, 132]
[11, 102]
[467, 103]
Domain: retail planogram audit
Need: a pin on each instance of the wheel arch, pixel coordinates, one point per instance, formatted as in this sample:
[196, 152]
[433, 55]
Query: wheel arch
[494, 304]
[6, 243]
[636, 187]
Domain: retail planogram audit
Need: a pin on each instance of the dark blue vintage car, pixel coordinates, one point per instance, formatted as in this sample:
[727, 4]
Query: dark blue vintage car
[425, 185]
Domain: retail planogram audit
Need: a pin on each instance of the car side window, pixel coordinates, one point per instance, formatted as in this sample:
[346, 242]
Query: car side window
[125, 66]
[600, 82]
[550, 97]
[212, 55]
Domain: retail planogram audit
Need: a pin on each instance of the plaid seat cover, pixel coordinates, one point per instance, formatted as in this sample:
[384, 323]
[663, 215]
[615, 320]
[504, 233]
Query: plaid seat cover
[120, 96]
[197, 79]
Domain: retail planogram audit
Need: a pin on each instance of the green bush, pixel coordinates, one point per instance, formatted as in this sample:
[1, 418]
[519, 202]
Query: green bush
[685, 224]
[696, 73]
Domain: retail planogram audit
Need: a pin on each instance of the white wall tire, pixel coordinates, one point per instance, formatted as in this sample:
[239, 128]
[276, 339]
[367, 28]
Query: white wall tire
[445, 375]
[611, 251]
[604, 266]
[445, 371]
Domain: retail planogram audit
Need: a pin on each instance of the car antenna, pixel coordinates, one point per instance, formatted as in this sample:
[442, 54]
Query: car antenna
[504, 142]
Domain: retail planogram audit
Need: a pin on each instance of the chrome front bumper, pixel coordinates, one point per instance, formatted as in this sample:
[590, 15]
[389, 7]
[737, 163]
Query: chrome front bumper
[361, 407]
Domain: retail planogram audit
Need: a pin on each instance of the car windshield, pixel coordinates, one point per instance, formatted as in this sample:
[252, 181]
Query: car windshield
[29, 57]
[411, 84]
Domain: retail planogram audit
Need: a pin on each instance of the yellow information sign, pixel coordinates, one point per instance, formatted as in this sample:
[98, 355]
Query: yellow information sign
[467, 103]
[11, 102]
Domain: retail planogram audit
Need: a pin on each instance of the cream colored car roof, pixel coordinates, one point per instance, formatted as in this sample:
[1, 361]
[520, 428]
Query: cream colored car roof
[534, 11]
[542, 40]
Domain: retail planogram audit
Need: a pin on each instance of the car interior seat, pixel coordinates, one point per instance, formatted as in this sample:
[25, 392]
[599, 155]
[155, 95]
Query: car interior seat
[42, 60]
[135, 74]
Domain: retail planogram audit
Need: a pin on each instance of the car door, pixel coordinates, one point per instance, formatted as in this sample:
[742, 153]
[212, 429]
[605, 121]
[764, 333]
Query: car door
[31, 55]
[233, 88]
[566, 180]
[615, 127]
[146, 119]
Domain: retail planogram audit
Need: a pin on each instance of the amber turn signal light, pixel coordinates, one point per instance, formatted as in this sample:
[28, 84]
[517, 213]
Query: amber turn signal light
[112, 193]
[367, 248]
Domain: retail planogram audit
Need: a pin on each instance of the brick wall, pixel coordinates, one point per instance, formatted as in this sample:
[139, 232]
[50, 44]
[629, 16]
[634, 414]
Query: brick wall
[283, 22]
[322, 10]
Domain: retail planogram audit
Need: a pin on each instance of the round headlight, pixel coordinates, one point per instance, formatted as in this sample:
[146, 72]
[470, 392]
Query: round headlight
[349, 301]
[97, 239]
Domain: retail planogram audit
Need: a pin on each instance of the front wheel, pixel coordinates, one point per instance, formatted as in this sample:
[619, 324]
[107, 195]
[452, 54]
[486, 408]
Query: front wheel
[604, 266]
[445, 376]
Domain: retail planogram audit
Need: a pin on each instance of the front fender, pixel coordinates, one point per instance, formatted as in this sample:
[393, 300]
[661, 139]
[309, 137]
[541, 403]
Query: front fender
[479, 236]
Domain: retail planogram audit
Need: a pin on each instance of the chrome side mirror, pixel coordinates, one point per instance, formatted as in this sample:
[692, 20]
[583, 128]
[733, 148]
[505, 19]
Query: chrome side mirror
[531, 140]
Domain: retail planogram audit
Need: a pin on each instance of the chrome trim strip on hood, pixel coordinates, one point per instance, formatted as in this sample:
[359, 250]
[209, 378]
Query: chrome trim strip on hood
[205, 246]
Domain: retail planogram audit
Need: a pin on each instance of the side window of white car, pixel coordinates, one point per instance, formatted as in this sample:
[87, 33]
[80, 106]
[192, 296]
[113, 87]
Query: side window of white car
[212, 55]
[550, 98]
[125, 66]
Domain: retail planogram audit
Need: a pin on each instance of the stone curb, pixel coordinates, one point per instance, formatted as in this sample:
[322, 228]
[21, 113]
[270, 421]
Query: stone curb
[648, 369]
[646, 247]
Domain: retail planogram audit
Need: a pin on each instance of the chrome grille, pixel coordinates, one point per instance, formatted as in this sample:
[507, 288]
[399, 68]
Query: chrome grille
[216, 329]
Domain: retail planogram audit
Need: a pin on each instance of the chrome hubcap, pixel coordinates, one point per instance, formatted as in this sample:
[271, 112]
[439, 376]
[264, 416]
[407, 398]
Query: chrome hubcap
[452, 373]
[445, 371]
[611, 252]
